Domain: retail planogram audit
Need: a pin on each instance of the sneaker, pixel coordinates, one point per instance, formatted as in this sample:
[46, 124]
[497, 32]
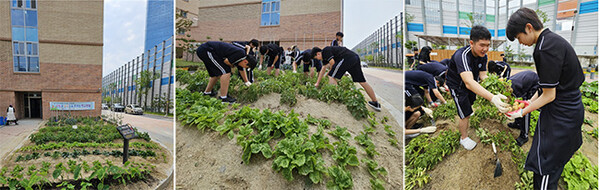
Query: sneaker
[467, 143]
[211, 94]
[375, 105]
[227, 99]
[522, 140]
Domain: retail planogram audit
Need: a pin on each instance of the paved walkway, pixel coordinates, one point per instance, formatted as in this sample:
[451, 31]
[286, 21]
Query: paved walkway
[13, 136]
[388, 86]
[159, 129]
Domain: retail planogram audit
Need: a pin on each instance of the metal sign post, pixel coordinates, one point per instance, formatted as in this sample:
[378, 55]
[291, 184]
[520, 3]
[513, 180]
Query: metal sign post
[128, 133]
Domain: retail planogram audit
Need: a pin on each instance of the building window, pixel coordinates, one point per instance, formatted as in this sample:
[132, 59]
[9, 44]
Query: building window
[270, 12]
[25, 41]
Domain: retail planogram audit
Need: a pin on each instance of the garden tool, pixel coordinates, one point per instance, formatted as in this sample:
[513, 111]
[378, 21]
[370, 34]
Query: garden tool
[498, 170]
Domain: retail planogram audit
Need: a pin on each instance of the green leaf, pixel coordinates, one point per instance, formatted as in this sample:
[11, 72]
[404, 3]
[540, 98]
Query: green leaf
[299, 159]
[353, 160]
[57, 172]
[316, 177]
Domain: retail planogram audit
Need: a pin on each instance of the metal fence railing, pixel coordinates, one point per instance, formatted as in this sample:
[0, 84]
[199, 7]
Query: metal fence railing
[384, 46]
[120, 84]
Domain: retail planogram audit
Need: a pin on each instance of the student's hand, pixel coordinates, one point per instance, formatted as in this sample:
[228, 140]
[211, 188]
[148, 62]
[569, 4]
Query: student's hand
[433, 104]
[443, 89]
[317, 85]
[248, 83]
[515, 114]
[430, 129]
[497, 101]
[428, 112]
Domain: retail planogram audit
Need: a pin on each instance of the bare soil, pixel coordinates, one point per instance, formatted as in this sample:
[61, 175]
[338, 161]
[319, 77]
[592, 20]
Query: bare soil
[207, 160]
[475, 169]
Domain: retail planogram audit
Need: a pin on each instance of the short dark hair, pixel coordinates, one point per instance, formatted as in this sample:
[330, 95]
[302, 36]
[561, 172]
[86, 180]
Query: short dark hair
[501, 54]
[254, 42]
[415, 49]
[251, 62]
[494, 68]
[314, 51]
[306, 56]
[424, 54]
[441, 79]
[518, 20]
[479, 32]
[414, 101]
[340, 34]
[263, 49]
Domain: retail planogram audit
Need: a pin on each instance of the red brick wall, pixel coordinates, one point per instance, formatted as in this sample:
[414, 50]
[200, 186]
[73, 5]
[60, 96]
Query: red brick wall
[242, 23]
[57, 82]
[48, 97]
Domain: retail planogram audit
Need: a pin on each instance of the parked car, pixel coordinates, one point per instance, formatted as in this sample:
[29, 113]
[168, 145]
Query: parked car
[364, 64]
[134, 109]
[104, 107]
[118, 108]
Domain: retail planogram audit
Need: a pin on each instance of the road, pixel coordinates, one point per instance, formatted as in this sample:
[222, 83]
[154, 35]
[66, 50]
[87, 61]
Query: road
[158, 127]
[388, 86]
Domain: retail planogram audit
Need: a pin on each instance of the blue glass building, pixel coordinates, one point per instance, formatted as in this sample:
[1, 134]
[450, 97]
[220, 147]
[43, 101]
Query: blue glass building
[159, 22]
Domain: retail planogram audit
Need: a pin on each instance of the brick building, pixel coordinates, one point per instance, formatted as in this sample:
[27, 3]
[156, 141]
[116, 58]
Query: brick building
[50, 51]
[306, 23]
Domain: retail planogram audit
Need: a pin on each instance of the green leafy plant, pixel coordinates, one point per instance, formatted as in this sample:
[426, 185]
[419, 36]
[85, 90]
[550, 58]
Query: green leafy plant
[579, 173]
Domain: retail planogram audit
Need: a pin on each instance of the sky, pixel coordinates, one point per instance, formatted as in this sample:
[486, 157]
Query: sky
[363, 17]
[124, 24]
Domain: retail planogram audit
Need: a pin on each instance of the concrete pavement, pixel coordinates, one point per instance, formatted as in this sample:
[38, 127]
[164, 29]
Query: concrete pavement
[13, 136]
[159, 129]
[388, 86]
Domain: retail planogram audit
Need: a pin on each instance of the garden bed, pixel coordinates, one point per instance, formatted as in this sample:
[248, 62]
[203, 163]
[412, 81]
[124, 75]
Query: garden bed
[59, 155]
[209, 159]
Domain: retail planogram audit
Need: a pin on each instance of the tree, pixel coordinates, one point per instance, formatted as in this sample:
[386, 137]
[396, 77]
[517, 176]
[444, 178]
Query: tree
[410, 44]
[543, 16]
[521, 55]
[409, 18]
[509, 53]
[164, 103]
[186, 43]
[144, 83]
[107, 99]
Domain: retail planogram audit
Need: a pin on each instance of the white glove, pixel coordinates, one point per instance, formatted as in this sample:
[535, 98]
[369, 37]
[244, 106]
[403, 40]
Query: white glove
[248, 83]
[443, 89]
[428, 112]
[433, 104]
[430, 129]
[497, 101]
[515, 114]
[294, 72]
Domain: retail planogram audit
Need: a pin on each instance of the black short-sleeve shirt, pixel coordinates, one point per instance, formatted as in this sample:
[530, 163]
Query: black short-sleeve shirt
[335, 43]
[556, 63]
[464, 60]
[419, 78]
[435, 68]
[274, 50]
[303, 56]
[524, 83]
[227, 51]
[334, 52]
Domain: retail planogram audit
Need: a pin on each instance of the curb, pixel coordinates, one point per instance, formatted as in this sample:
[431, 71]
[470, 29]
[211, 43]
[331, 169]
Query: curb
[163, 183]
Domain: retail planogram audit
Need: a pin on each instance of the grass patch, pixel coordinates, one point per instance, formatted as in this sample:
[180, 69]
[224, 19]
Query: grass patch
[183, 63]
